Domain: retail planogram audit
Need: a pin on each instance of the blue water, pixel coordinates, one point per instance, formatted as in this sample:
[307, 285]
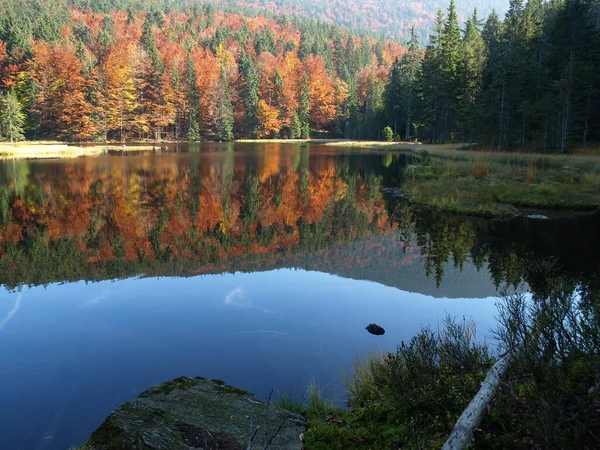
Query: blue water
[73, 352]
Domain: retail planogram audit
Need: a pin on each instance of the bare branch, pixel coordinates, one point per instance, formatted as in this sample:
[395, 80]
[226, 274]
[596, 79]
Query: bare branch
[270, 439]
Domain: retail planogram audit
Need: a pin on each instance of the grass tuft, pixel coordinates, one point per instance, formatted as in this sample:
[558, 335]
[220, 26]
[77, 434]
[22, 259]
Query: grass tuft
[288, 403]
[316, 402]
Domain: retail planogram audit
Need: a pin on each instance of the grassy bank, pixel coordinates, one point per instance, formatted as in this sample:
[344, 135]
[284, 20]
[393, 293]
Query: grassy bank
[55, 149]
[38, 150]
[498, 184]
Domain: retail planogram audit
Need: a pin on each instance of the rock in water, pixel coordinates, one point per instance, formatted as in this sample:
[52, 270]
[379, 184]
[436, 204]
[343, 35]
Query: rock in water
[194, 413]
[375, 329]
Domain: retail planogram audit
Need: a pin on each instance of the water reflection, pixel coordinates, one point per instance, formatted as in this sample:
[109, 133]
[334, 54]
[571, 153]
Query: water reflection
[254, 208]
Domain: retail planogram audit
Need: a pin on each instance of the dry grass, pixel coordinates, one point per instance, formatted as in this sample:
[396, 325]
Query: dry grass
[50, 149]
[32, 151]
[480, 168]
[288, 141]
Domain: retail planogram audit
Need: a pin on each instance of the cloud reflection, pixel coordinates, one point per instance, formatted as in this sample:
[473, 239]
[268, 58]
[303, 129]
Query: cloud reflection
[12, 312]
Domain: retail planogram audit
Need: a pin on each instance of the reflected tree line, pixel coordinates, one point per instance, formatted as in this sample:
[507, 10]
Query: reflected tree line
[517, 251]
[94, 219]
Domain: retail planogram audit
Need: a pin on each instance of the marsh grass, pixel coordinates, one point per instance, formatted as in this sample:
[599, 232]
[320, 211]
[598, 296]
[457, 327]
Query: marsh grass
[289, 403]
[495, 184]
[480, 167]
[361, 382]
[314, 403]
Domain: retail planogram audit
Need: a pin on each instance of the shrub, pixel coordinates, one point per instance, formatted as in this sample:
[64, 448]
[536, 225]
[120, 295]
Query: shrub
[406, 399]
[554, 381]
[388, 134]
[424, 158]
[480, 169]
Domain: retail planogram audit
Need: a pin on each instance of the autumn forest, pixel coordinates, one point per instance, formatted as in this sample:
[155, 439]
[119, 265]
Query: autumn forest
[97, 71]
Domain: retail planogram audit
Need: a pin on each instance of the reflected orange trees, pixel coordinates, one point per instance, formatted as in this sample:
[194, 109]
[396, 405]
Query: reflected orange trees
[95, 218]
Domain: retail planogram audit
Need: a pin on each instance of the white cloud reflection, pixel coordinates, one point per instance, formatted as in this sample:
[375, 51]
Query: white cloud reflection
[12, 312]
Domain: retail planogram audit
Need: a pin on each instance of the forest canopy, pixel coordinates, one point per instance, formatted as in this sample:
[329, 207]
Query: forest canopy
[110, 70]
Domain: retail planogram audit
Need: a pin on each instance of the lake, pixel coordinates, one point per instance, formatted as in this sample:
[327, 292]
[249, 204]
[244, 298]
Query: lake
[258, 264]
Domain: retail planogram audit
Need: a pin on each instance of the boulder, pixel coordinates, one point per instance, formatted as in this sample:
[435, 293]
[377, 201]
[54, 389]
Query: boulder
[195, 413]
[375, 329]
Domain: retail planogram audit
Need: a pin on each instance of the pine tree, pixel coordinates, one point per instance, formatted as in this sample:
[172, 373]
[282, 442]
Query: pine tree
[250, 98]
[352, 129]
[224, 113]
[295, 127]
[11, 117]
[147, 41]
[193, 126]
[392, 97]
[450, 60]
[372, 119]
[492, 82]
[431, 83]
[471, 74]
[305, 110]
[409, 72]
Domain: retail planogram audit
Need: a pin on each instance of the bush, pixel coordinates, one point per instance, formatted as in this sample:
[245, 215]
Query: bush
[479, 171]
[407, 399]
[388, 134]
[424, 158]
[553, 387]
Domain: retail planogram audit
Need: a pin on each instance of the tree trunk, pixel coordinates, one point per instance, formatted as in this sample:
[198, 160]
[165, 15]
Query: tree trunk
[501, 126]
[469, 420]
[586, 126]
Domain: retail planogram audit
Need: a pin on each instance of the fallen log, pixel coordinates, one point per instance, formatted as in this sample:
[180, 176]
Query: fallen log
[469, 420]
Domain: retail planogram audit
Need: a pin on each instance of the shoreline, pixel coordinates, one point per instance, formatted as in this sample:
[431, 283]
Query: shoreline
[65, 150]
[62, 150]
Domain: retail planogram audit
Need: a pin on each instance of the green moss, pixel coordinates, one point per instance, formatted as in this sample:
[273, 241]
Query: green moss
[231, 389]
[169, 386]
[217, 381]
[108, 434]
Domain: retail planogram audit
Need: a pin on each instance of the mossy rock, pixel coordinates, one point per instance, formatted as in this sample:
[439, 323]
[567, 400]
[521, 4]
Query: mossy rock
[194, 413]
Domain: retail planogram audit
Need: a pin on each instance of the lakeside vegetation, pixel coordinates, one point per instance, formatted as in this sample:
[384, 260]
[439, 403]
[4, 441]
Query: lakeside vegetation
[493, 184]
[412, 398]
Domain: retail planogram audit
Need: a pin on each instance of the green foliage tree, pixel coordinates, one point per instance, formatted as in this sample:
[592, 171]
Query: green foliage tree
[12, 118]
[194, 133]
[224, 115]
[401, 90]
[249, 87]
[387, 134]
[470, 73]
[305, 111]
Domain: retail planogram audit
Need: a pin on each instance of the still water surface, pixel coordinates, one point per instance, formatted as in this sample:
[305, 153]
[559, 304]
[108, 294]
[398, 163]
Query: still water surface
[257, 264]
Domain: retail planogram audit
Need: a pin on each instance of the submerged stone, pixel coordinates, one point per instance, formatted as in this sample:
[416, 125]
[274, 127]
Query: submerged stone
[194, 413]
[537, 216]
[375, 329]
